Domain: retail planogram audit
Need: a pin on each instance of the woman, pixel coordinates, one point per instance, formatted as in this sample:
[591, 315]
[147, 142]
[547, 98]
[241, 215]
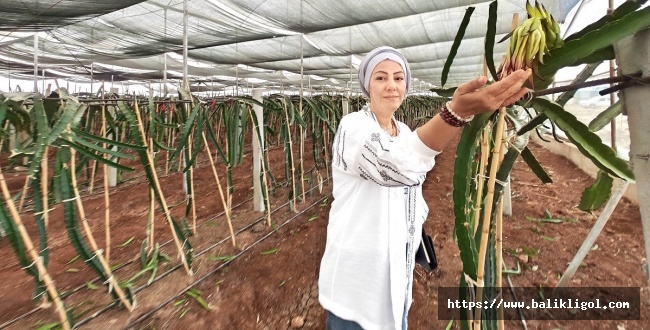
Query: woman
[378, 210]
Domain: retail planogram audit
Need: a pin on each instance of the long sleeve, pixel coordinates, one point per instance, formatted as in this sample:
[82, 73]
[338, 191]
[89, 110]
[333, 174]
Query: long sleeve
[362, 148]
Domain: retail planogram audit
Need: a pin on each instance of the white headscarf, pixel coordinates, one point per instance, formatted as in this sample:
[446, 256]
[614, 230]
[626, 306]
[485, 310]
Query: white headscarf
[373, 58]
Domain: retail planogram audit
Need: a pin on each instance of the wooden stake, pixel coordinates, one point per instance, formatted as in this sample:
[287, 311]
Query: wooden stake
[293, 168]
[44, 188]
[170, 140]
[162, 196]
[93, 169]
[29, 245]
[152, 219]
[91, 239]
[23, 194]
[487, 214]
[499, 243]
[226, 209]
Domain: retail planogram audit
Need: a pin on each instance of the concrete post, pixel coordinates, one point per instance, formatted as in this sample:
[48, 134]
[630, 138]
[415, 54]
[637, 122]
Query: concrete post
[633, 56]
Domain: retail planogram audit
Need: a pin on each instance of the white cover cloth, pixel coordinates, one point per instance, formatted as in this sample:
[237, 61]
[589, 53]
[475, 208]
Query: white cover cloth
[375, 222]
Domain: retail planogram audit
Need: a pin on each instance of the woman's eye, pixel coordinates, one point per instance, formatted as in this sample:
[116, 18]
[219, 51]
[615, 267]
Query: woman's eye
[399, 78]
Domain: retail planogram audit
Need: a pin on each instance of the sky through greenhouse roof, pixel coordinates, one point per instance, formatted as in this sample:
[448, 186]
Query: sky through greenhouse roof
[129, 39]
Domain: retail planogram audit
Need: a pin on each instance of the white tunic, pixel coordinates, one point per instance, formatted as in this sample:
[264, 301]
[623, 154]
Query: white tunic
[375, 222]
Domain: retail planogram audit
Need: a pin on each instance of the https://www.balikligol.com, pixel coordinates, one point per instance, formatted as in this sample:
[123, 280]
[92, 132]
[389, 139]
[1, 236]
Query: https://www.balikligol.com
[539, 303]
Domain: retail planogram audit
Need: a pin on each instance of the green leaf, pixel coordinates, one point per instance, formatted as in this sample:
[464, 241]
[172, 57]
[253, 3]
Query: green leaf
[587, 142]
[489, 39]
[456, 44]
[534, 165]
[597, 194]
[464, 232]
[622, 10]
[601, 37]
[221, 258]
[108, 142]
[197, 296]
[271, 251]
[187, 129]
[16, 240]
[127, 242]
[100, 149]
[49, 326]
[99, 159]
[444, 92]
[605, 117]
[71, 221]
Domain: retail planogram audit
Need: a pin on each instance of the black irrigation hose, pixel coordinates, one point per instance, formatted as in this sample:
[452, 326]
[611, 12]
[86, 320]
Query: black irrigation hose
[144, 316]
[83, 286]
[26, 210]
[122, 187]
[69, 293]
[204, 277]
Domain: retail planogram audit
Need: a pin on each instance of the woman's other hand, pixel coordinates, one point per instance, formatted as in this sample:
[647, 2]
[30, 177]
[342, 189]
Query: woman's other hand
[472, 98]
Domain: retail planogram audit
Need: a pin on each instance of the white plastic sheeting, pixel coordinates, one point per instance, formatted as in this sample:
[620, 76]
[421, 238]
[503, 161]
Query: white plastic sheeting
[237, 38]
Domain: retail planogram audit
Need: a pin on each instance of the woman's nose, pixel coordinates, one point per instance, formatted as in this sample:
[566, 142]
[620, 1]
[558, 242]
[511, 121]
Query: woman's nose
[392, 84]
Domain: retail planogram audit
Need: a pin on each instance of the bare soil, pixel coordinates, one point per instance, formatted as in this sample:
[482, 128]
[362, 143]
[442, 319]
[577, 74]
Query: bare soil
[272, 283]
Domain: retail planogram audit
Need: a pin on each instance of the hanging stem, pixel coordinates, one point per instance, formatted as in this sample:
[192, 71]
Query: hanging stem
[29, 245]
[192, 200]
[151, 219]
[91, 239]
[162, 196]
[107, 199]
[487, 214]
[93, 169]
[226, 209]
[485, 138]
[170, 132]
[301, 131]
[293, 168]
[152, 210]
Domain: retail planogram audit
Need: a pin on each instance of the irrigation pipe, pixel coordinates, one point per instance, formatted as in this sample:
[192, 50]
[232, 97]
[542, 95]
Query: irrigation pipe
[521, 314]
[114, 190]
[174, 297]
[153, 310]
[67, 293]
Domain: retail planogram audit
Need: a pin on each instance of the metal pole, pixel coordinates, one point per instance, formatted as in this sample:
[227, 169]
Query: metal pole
[165, 59]
[92, 76]
[185, 41]
[185, 84]
[612, 73]
[36, 62]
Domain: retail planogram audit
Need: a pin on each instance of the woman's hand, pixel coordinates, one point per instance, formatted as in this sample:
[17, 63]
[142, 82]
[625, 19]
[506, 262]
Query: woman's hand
[472, 98]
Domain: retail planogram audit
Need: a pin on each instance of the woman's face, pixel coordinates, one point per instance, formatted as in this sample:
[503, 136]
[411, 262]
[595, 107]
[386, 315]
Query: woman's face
[387, 85]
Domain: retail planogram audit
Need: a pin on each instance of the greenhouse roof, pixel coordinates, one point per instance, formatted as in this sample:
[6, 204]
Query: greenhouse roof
[261, 42]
